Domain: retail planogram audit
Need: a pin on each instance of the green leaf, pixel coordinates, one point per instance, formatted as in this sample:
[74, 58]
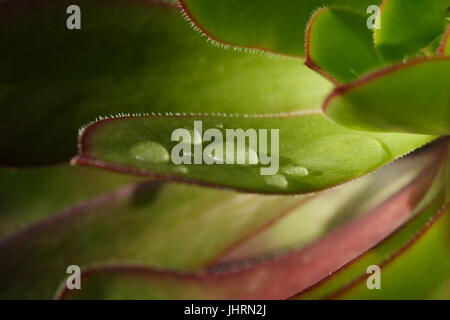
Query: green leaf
[408, 26]
[265, 280]
[338, 44]
[138, 282]
[403, 249]
[314, 153]
[326, 212]
[427, 254]
[33, 194]
[266, 25]
[140, 223]
[411, 97]
[138, 56]
[428, 212]
[444, 47]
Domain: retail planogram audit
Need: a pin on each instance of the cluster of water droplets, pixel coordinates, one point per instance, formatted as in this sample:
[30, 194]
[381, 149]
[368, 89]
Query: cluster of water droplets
[288, 172]
[155, 153]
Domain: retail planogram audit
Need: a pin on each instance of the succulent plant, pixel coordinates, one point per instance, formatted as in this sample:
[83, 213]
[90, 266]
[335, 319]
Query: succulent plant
[347, 98]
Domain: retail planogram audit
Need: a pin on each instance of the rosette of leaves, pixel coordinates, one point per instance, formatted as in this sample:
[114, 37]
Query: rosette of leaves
[347, 100]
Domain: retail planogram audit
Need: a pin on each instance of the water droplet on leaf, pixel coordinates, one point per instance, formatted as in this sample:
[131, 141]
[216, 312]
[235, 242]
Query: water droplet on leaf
[294, 171]
[181, 169]
[149, 151]
[277, 180]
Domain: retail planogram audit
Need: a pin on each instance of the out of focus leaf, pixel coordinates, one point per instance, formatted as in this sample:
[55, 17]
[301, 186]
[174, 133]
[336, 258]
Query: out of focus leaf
[135, 224]
[269, 25]
[338, 282]
[408, 26]
[429, 210]
[29, 195]
[322, 153]
[326, 212]
[267, 280]
[338, 44]
[414, 273]
[142, 224]
[412, 97]
[133, 282]
[137, 56]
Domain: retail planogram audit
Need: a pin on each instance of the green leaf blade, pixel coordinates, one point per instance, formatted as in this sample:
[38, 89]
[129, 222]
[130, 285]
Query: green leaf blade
[58, 187]
[408, 26]
[429, 214]
[327, 153]
[139, 223]
[339, 45]
[302, 267]
[411, 97]
[259, 24]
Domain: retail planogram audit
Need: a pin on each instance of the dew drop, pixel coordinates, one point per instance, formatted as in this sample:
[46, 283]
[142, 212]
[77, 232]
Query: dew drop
[294, 171]
[181, 169]
[277, 180]
[149, 151]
